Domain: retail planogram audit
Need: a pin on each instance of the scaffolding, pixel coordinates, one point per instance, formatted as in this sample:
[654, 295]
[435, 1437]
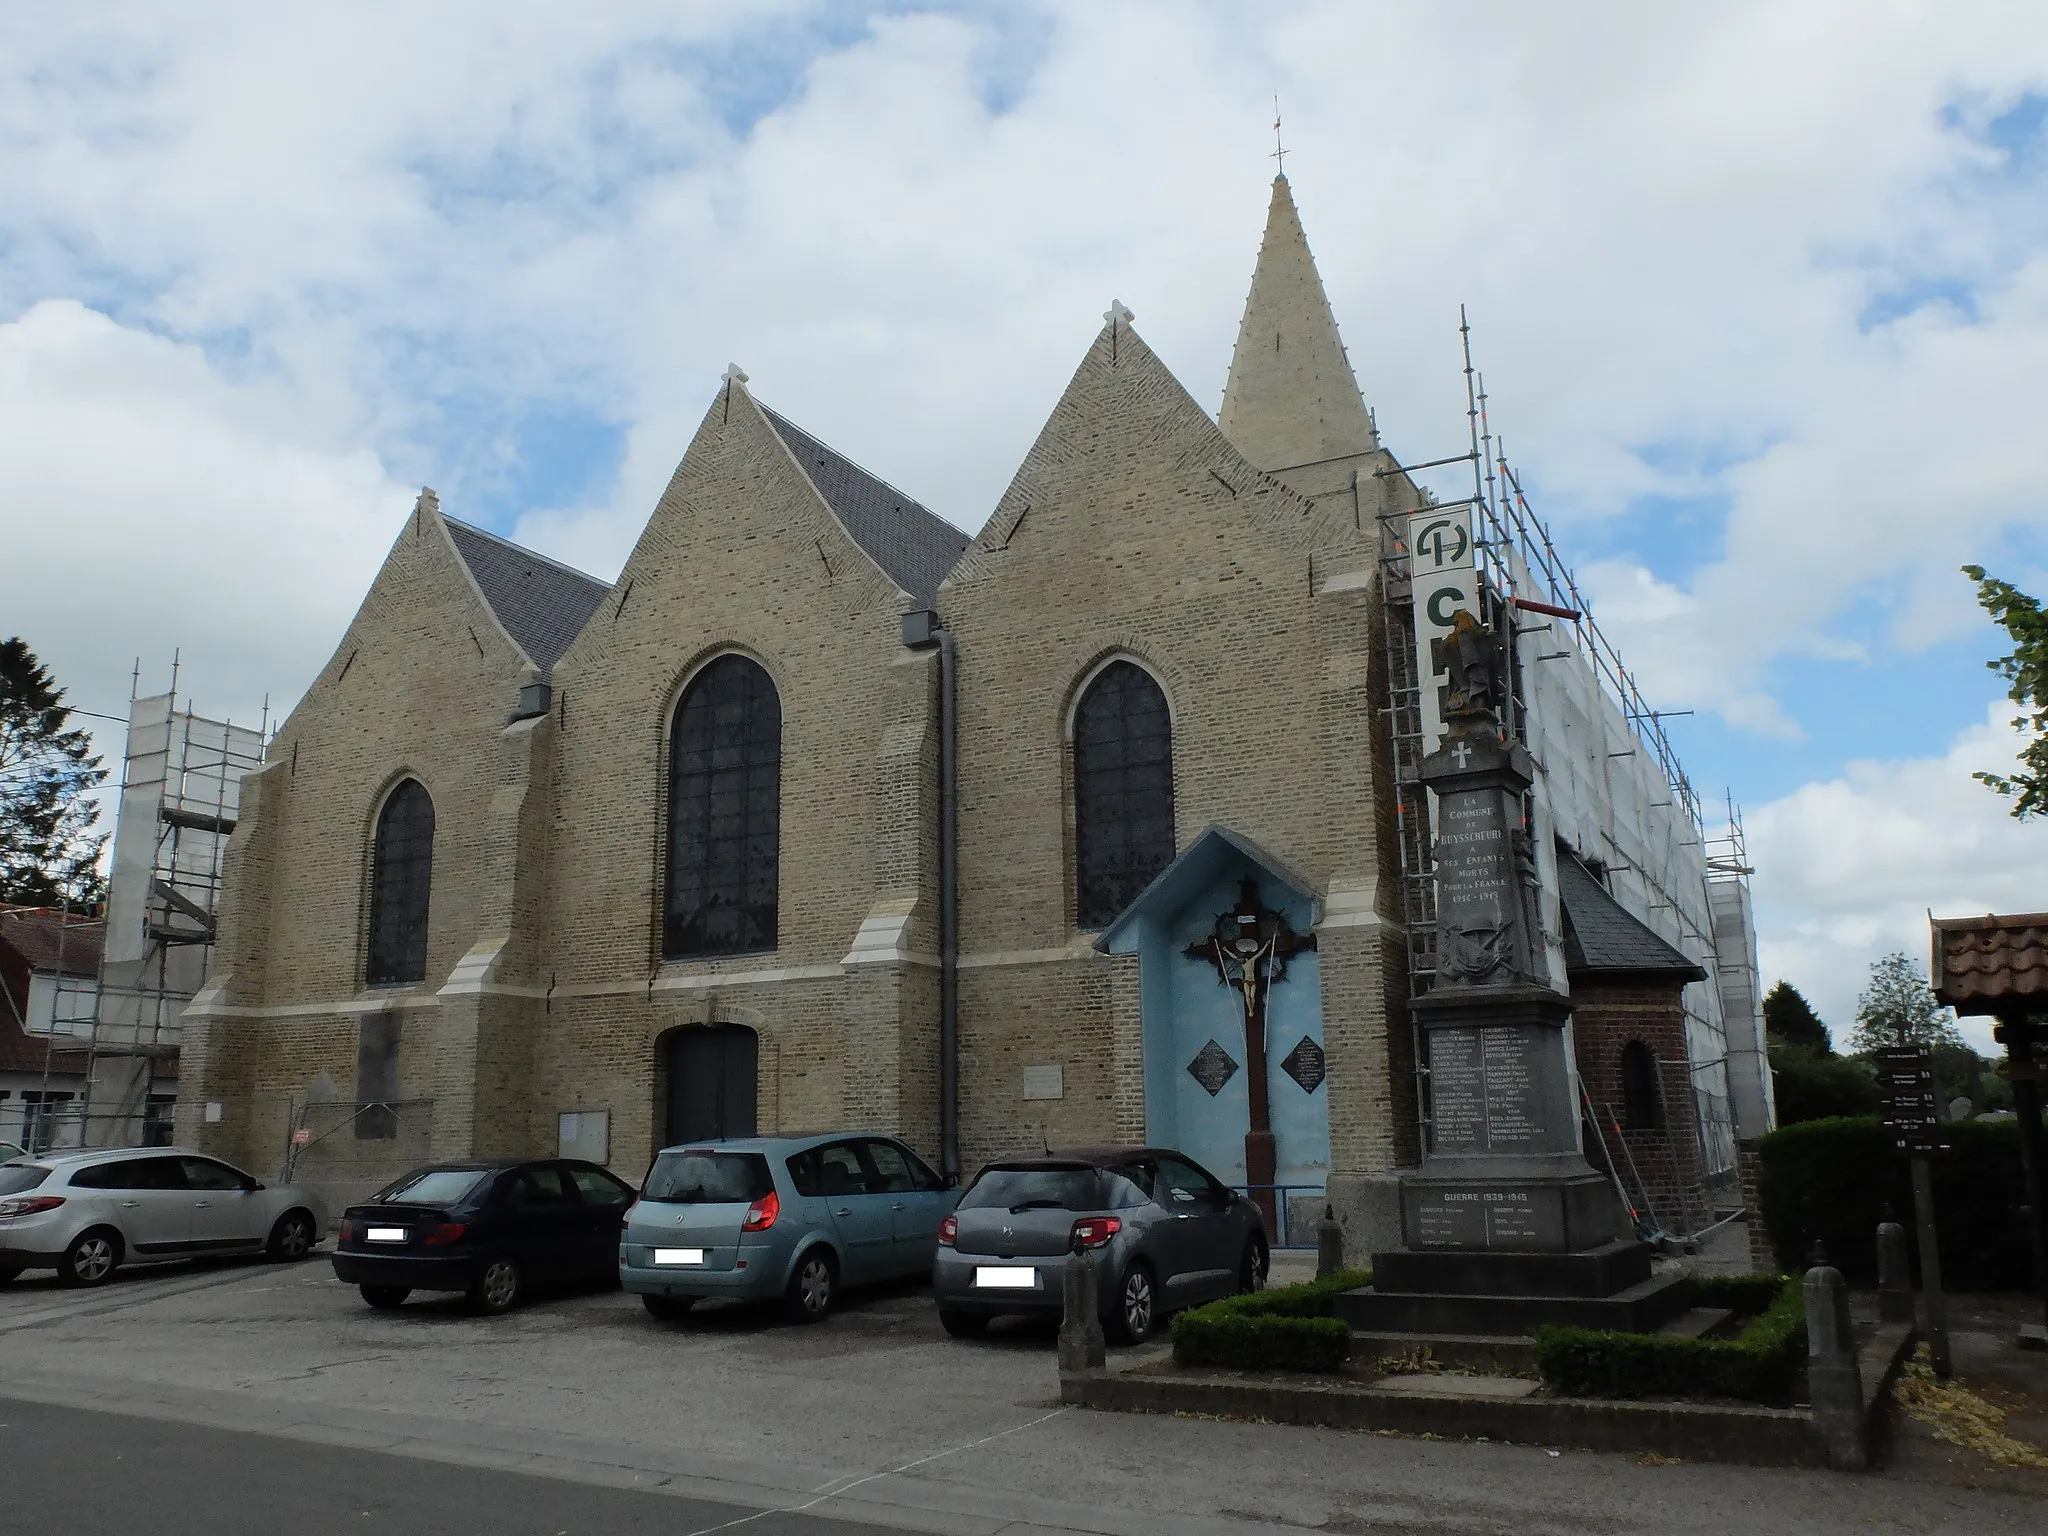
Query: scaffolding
[180, 796]
[1523, 578]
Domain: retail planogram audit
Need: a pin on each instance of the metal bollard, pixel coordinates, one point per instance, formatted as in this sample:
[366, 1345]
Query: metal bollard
[1834, 1379]
[1894, 1272]
[1329, 1244]
[1082, 1347]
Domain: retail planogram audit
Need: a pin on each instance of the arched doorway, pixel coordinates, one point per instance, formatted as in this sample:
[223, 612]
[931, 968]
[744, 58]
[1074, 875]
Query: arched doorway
[711, 1077]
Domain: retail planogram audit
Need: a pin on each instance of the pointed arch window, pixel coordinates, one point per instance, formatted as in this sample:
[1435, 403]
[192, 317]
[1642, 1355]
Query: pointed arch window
[401, 881]
[1640, 1109]
[724, 813]
[1123, 791]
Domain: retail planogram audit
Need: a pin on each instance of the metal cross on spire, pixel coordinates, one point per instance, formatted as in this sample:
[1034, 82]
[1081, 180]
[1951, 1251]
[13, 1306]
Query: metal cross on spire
[1279, 150]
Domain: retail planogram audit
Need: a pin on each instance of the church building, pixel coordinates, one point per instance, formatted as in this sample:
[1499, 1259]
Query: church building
[825, 814]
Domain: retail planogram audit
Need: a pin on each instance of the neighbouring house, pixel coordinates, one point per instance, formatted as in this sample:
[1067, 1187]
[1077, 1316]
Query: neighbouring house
[49, 963]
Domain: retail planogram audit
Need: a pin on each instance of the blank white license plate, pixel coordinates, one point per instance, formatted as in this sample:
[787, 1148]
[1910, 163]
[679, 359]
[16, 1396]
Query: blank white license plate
[679, 1255]
[989, 1275]
[386, 1234]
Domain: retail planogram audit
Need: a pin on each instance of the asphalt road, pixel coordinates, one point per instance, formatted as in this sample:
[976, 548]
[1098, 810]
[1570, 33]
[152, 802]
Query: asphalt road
[582, 1408]
[69, 1469]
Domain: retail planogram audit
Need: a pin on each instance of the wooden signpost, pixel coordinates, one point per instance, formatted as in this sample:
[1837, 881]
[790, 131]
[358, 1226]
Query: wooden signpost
[1912, 1113]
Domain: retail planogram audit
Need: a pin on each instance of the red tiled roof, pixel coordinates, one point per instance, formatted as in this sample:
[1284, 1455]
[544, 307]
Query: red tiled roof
[46, 939]
[1985, 960]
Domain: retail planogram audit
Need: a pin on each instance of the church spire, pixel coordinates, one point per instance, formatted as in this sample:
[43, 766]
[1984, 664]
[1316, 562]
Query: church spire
[1291, 398]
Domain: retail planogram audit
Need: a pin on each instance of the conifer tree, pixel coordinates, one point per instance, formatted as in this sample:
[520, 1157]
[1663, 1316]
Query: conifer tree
[48, 849]
[1789, 1019]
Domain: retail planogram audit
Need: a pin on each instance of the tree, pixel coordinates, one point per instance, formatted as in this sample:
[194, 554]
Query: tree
[1789, 1018]
[2025, 669]
[1807, 1085]
[1898, 1008]
[48, 848]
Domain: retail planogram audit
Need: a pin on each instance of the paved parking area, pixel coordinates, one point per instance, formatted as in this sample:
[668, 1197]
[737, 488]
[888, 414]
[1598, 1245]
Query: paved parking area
[874, 1416]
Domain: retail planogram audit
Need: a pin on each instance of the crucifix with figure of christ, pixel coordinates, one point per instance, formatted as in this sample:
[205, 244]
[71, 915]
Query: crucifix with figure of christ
[1250, 947]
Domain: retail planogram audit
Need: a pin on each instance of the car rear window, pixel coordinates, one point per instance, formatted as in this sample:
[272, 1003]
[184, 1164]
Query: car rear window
[1020, 1189]
[435, 1186]
[707, 1178]
[14, 1180]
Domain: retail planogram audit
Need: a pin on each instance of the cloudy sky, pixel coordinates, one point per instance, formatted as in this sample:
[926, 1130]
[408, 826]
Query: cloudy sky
[1760, 291]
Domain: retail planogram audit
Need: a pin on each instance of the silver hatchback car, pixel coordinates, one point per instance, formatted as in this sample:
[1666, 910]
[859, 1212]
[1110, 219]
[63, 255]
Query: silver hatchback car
[1161, 1232]
[86, 1213]
[789, 1218]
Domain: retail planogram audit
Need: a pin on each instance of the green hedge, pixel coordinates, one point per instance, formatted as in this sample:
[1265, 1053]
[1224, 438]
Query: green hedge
[1294, 1328]
[1759, 1365]
[1833, 1179]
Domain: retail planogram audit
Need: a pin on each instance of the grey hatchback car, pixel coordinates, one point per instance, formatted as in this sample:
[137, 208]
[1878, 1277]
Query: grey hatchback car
[1163, 1235]
[788, 1218]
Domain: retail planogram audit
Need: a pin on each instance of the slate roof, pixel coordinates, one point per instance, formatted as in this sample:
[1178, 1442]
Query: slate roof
[913, 544]
[1602, 937]
[542, 603]
[1980, 960]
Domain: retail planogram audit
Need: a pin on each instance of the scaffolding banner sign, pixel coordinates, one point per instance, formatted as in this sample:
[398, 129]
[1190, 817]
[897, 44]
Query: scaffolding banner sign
[1444, 571]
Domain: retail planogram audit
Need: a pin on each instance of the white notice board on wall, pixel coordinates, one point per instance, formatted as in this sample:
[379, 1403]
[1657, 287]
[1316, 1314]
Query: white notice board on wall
[585, 1134]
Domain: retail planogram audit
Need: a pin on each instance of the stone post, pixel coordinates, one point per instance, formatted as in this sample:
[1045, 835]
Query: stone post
[1894, 1273]
[1082, 1347]
[1329, 1244]
[1834, 1380]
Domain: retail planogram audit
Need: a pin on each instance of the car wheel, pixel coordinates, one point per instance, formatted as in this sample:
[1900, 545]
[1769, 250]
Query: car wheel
[813, 1289]
[92, 1256]
[385, 1298]
[1137, 1307]
[1253, 1268]
[292, 1238]
[497, 1288]
[668, 1309]
[963, 1325]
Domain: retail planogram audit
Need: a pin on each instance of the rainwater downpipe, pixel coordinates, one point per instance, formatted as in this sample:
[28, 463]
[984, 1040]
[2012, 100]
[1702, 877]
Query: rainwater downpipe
[922, 631]
[949, 913]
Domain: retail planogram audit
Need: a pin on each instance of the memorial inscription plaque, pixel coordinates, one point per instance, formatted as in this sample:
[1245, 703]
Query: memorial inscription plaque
[1483, 1094]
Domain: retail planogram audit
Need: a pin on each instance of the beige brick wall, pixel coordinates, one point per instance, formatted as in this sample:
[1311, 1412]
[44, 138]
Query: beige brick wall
[1132, 527]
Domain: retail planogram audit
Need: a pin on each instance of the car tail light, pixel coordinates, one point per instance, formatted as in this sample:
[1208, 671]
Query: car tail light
[442, 1235]
[30, 1205]
[1094, 1231]
[762, 1213]
[949, 1229]
[346, 1232]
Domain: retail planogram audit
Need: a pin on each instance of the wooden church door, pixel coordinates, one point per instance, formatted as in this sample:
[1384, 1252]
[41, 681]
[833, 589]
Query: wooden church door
[712, 1077]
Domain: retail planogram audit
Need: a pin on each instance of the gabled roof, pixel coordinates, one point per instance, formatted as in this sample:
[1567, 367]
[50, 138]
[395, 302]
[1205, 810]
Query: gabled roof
[46, 939]
[542, 603]
[913, 544]
[1216, 848]
[1981, 961]
[1602, 937]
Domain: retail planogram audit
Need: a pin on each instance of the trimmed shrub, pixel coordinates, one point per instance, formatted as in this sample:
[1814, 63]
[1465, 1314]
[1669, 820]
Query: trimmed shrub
[1760, 1365]
[1294, 1328]
[1833, 1179]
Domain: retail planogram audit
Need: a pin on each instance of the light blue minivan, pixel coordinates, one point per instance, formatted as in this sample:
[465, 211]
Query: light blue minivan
[794, 1218]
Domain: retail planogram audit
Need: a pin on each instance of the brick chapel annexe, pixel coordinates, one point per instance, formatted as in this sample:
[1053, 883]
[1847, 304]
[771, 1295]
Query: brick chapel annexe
[539, 859]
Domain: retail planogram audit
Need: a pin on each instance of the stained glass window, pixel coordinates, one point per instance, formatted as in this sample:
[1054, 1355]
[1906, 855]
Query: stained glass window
[724, 813]
[1123, 791]
[401, 877]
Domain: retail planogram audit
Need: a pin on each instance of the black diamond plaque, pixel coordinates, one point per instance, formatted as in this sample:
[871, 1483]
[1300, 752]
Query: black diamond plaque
[1305, 1064]
[1212, 1068]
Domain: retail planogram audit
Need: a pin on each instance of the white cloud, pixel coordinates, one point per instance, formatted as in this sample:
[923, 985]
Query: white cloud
[153, 506]
[1849, 868]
